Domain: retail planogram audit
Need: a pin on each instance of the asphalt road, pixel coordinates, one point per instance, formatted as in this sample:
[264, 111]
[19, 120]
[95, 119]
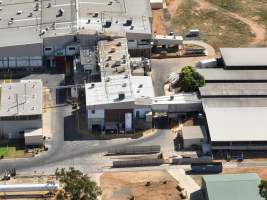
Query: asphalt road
[161, 68]
[88, 155]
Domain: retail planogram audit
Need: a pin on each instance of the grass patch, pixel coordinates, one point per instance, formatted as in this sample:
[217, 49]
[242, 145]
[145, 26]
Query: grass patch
[12, 149]
[216, 28]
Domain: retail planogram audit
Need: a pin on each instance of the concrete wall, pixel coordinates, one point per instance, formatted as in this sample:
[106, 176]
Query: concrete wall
[13, 128]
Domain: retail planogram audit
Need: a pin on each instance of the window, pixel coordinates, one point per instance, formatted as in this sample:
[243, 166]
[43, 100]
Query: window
[48, 49]
[72, 48]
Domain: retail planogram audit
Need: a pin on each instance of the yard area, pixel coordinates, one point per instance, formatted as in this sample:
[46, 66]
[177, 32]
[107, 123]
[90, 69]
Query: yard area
[133, 185]
[12, 149]
[223, 23]
[217, 29]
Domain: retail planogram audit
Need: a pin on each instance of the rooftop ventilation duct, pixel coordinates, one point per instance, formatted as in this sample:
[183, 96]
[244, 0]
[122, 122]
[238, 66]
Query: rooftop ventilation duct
[92, 86]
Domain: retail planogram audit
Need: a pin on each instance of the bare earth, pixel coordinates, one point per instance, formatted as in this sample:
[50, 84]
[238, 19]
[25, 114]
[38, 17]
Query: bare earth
[160, 25]
[262, 172]
[255, 28]
[124, 185]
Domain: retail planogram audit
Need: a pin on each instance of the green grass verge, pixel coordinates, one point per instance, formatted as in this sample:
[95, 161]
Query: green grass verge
[217, 29]
[12, 149]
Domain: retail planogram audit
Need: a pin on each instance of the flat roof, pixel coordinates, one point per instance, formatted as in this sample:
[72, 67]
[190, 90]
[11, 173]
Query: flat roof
[236, 119]
[33, 132]
[22, 98]
[176, 99]
[193, 132]
[133, 87]
[222, 75]
[233, 89]
[23, 22]
[244, 57]
[232, 186]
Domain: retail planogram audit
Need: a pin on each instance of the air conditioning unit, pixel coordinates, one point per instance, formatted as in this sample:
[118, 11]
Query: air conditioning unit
[121, 96]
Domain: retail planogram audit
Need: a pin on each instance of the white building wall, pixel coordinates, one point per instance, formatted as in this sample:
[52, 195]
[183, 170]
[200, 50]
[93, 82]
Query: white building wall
[96, 114]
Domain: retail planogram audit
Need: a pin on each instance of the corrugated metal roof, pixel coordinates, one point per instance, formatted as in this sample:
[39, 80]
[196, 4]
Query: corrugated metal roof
[233, 186]
[236, 119]
[234, 89]
[219, 74]
[243, 57]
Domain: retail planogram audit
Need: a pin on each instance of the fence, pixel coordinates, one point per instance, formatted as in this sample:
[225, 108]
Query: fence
[135, 150]
[138, 163]
[187, 161]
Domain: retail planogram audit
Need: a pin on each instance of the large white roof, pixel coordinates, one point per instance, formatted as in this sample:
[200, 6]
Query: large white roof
[233, 121]
[21, 98]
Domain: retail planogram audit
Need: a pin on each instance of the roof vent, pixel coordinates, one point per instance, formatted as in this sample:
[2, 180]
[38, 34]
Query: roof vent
[36, 7]
[126, 76]
[110, 3]
[118, 44]
[19, 12]
[1, 8]
[128, 22]
[92, 85]
[42, 32]
[124, 84]
[112, 50]
[121, 96]
[106, 65]
[30, 14]
[132, 27]
[107, 79]
[60, 12]
[88, 21]
[140, 86]
[1, 2]
[107, 24]
[109, 58]
[95, 15]
[171, 98]
[49, 5]
[10, 22]
[33, 108]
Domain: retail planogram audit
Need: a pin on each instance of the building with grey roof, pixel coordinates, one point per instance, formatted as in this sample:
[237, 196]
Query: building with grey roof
[234, 100]
[231, 187]
[36, 33]
[21, 107]
[243, 58]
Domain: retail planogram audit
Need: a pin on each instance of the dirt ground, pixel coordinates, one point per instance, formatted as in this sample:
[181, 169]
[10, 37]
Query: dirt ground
[262, 172]
[126, 185]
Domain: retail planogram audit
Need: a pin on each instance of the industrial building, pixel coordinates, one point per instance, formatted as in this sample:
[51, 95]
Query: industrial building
[193, 136]
[235, 100]
[120, 100]
[231, 187]
[50, 33]
[20, 108]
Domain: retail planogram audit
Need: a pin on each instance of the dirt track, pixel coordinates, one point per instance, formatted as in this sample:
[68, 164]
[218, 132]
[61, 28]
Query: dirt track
[160, 25]
[255, 28]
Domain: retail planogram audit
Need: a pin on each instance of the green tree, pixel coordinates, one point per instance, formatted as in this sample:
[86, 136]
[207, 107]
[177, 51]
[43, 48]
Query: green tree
[190, 79]
[78, 185]
[263, 189]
